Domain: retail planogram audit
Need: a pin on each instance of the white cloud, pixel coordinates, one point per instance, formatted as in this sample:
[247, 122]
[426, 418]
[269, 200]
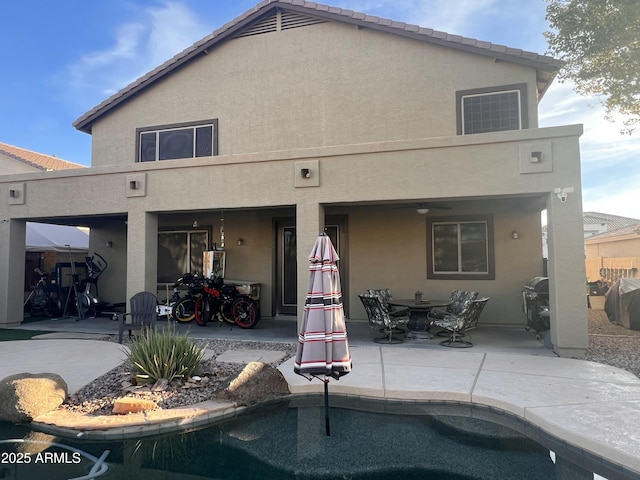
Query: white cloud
[140, 45]
[617, 196]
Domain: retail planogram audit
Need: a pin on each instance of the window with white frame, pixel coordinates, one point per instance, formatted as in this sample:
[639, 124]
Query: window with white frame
[176, 141]
[492, 109]
[460, 248]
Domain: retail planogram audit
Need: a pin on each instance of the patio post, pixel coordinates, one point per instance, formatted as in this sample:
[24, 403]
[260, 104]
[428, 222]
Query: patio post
[309, 223]
[12, 256]
[142, 253]
[567, 276]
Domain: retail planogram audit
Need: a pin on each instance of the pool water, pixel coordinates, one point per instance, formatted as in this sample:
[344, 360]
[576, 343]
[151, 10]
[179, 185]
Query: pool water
[288, 441]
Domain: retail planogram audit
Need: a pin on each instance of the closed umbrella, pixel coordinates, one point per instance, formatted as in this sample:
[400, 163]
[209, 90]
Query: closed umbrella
[323, 348]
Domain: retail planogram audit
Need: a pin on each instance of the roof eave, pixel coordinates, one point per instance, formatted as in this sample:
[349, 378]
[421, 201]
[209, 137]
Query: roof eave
[545, 71]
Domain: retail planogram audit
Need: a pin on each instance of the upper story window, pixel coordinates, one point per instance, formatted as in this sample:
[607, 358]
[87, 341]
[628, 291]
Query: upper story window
[492, 109]
[178, 141]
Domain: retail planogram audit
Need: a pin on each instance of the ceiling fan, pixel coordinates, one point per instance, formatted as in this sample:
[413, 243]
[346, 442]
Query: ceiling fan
[424, 207]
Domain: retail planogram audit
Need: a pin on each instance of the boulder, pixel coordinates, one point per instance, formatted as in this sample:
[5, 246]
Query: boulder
[257, 382]
[25, 396]
[127, 405]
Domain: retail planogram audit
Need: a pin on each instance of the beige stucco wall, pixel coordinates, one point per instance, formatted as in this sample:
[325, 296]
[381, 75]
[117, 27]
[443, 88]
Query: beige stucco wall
[327, 84]
[347, 176]
[373, 116]
[9, 165]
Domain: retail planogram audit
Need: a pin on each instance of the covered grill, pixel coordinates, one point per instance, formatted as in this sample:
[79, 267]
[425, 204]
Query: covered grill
[535, 303]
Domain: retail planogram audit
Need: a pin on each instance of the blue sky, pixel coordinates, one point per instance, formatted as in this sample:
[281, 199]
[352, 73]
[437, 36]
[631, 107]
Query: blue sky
[60, 59]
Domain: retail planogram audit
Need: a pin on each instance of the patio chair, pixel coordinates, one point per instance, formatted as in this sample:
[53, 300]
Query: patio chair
[385, 297]
[384, 294]
[379, 316]
[460, 300]
[143, 314]
[456, 324]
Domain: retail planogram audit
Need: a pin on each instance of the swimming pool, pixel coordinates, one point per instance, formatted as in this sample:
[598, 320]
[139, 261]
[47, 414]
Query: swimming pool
[369, 440]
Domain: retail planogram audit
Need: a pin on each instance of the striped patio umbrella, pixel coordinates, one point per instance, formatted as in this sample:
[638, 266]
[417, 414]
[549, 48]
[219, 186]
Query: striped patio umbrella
[323, 348]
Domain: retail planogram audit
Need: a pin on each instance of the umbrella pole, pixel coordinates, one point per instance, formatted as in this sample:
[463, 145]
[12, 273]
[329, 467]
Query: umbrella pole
[326, 407]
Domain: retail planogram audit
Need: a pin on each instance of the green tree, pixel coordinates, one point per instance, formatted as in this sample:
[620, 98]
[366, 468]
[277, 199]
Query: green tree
[600, 42]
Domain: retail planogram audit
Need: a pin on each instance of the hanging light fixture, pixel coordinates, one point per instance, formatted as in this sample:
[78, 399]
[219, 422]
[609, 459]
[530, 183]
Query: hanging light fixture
[222, 229]
[195, 223]
[422, 211]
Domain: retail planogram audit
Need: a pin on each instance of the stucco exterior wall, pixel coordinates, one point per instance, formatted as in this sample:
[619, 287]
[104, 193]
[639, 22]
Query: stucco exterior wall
[10, 166]
[321, 85]
[347, 177]
[373, 117]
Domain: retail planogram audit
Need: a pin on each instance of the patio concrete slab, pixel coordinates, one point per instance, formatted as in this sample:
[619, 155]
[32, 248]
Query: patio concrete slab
[516, 393]
[245, 355]
[556, 367]
[78, 362]
[592, 406]
[609, 429]
[429, 383]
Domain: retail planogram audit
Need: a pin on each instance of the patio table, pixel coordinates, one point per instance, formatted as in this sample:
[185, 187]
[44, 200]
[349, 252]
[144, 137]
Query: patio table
[419, 325]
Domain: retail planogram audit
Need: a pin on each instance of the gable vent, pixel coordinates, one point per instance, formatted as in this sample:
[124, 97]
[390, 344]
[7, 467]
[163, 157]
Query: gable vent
[294, 20]
[277, 22]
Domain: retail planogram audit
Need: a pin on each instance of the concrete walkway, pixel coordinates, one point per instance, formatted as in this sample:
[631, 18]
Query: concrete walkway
[589, 405]
[78, 362]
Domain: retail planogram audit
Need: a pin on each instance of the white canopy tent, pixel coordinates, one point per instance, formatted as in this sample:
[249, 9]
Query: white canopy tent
[45, 237]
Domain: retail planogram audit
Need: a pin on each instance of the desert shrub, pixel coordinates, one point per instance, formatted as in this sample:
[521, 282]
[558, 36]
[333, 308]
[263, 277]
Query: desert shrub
[161, 353]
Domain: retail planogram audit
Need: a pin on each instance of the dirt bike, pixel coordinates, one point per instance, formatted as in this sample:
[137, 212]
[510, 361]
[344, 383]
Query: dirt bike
[216, 301]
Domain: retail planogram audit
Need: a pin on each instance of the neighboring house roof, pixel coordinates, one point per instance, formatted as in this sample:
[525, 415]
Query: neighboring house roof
[611, 221]
[258, 17]
[37, 160]
[622, 233]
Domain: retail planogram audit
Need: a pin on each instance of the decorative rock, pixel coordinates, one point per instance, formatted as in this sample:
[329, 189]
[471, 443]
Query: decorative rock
[160, 385]
[132, 405]
[25, 396]
[257, 382]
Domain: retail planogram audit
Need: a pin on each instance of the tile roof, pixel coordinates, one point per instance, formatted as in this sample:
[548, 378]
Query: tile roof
[37, 160]
[546, 66]
[617, 232]
[611, 221]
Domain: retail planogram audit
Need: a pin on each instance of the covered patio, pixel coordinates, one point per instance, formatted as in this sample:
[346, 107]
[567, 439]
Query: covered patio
[486, 338]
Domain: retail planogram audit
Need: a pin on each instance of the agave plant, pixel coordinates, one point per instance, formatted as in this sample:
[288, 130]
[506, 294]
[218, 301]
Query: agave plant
[161, 353]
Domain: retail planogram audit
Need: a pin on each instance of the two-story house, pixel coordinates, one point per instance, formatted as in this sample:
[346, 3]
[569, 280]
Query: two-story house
[419, 152]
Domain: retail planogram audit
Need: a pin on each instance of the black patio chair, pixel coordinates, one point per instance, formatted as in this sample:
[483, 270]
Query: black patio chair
[143, 314]
[460, 300]
[457, 324]
[380, 316]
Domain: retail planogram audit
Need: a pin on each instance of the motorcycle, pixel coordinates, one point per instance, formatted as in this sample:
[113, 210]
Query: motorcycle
[216, 301]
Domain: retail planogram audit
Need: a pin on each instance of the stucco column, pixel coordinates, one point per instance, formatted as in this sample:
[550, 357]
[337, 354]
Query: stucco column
[309, 224]
[12, 256]
[142, 253]
[567, 283]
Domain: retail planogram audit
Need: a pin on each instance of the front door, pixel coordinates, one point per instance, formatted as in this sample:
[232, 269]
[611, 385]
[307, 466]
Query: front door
[287, 263]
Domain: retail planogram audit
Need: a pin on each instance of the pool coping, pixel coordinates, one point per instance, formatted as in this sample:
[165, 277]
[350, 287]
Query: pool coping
[579, 402]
